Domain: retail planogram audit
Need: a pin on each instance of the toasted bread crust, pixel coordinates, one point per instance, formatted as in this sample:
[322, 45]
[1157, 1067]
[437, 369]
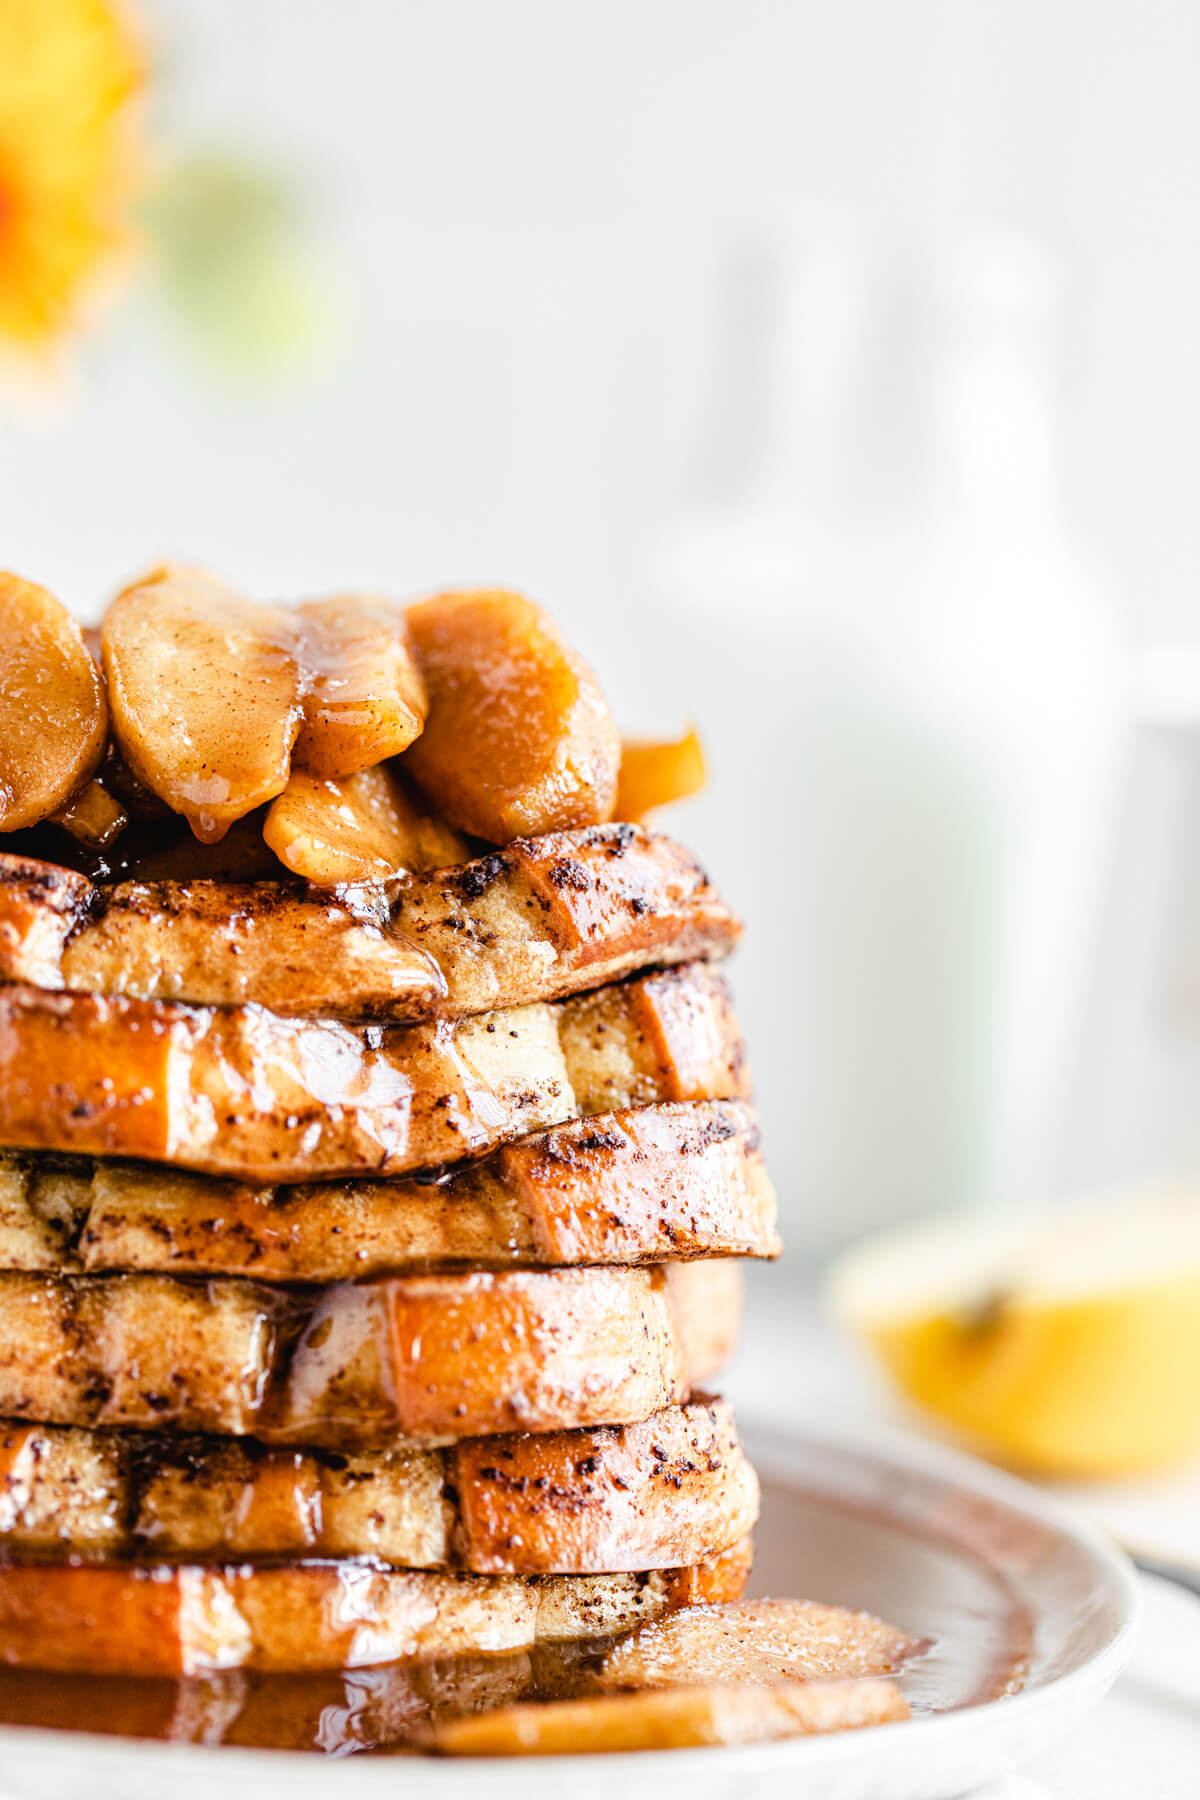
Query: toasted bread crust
[672, 1719]
[245, 1093]
[643, 1185]
[541, 919]
[664, 1493]
[427, 1359]
[184, 1619]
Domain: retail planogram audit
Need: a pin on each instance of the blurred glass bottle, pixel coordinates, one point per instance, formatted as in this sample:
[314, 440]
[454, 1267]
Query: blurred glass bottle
[911, 689]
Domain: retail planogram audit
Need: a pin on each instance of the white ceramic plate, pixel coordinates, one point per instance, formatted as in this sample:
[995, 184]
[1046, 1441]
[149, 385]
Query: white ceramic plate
[979, 1563]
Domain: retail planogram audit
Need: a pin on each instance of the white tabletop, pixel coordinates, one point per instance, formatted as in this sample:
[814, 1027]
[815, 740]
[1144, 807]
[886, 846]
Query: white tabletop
[1143, 1743]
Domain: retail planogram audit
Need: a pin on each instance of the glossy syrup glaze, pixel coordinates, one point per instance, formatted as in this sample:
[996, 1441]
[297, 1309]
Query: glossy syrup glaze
[936, 1578]
[430, 1358]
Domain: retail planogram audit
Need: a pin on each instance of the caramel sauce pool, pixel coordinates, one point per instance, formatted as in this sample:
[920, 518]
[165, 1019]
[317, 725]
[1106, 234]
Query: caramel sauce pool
[928, 1576]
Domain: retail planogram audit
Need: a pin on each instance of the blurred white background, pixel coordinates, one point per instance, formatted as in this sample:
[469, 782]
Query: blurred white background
[544, 238]
[525, 209]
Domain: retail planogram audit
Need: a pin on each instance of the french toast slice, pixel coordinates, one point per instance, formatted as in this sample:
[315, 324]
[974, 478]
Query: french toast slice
[171, 1619]
[541, 919]
[671, 1719]
[396, 1705]
[663, 1493]
[427, 1358]
[245, 1093]
[755, 1641]
[643, 1185]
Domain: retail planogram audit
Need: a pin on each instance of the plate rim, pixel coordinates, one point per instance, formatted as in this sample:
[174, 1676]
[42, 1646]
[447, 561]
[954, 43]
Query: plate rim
[768, 1443]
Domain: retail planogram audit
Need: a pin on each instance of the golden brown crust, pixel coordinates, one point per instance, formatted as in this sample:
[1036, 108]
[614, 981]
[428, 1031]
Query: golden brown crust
[429, 1359]
[245, 1093]
[626, 1501]
[543, 918]
[664, 1493]
[674, 1181]
[170, 1620]
[40, 904]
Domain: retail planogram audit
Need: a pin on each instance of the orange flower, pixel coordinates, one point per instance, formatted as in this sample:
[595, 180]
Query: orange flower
[68, 69]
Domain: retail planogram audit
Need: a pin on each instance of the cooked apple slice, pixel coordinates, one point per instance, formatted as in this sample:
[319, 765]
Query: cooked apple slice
[673, 1720]
[93, 817]
[518, 740]
[207, 694]
[53, 713]
[363, 828]
[367, 698]
[654, 773]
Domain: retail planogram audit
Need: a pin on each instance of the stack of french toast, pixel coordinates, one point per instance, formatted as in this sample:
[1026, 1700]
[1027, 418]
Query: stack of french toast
[376, 1150]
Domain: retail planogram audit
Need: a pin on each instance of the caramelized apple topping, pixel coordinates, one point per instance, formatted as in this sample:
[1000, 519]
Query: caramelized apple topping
[221, 706]
[655, 773]
[93, 817]
[366, 700]
[207, 694]
[53, 713]
[364, 828]
[518, 740]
